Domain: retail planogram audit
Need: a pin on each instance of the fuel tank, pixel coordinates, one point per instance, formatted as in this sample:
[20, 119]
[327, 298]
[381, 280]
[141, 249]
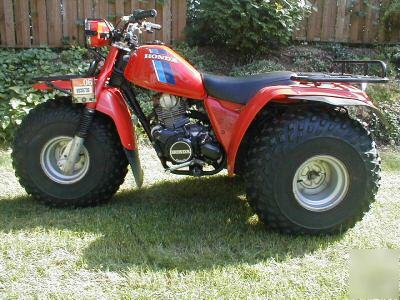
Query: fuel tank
[159, 68]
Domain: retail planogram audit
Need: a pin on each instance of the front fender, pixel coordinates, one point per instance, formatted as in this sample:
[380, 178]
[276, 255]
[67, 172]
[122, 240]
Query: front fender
[111, 103]
[332, 94]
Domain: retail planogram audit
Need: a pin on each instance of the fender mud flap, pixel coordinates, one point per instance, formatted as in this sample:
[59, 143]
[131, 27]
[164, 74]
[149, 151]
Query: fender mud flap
[134, 161]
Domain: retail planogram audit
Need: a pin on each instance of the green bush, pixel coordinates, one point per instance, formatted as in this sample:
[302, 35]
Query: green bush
[207, 59]
[387, 99]
[257, 67]
[192, 55]
[18, 68]
[245, 26]
[310, 59]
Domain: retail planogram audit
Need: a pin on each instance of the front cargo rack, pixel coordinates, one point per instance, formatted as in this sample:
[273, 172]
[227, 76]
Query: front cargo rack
[341, 73]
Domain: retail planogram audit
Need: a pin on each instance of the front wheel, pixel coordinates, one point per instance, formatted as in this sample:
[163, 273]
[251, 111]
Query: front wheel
[312, 172]
[38, 157]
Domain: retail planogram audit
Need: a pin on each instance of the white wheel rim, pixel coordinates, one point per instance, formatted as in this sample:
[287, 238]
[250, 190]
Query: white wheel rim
[321, 183]
[52, 161]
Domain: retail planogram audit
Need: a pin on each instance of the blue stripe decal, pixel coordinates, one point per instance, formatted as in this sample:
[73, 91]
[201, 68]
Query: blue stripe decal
[168, 72]
[163, 68]
[160, 71]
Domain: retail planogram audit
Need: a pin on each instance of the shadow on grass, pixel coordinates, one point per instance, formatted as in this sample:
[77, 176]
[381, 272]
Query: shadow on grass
[191, 224]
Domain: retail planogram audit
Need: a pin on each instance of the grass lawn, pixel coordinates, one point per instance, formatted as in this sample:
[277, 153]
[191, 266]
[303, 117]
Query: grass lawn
[177, 238]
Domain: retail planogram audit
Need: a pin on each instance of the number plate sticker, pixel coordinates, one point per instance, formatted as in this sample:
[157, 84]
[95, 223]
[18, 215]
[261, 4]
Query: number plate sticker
[83, 90]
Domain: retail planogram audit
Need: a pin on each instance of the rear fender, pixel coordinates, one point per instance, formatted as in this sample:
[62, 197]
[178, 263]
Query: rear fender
[333, 94]
[111, 103]
[343, 102]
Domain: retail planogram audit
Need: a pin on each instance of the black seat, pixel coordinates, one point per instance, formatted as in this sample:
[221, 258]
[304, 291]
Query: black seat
[242, 89]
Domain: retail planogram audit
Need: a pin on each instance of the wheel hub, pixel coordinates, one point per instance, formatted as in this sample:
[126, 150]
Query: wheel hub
[321, 183]
[54, 156]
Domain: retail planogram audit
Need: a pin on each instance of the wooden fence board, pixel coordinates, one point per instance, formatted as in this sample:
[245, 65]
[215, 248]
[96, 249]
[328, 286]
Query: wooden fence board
[103, 9]
[178, 21]
[34, 22]
[119, 9]
[22, 24]
[96, 8]
[64, 16]
[174, 24]
[315, 21]
[70, 19]
[39, 23]
[80, 21]
[394, 30]
[351, 21]
[382, 35]
[54, 25]
[356, 21]
[340, 20]
[181, 14]
[328, 23]
[159, 20]
[111, 11]
[87, 9]
[2, 23]
[167, 21]
[134, 5]
[149, 4]
[9, 23]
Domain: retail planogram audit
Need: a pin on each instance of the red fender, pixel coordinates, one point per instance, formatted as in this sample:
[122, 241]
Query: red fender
[236, 121]
[111, 102]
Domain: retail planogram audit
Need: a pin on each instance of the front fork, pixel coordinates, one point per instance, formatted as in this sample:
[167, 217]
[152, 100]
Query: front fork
[73, 150]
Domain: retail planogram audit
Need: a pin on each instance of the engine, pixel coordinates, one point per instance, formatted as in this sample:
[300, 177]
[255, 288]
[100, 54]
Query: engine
[183, 137]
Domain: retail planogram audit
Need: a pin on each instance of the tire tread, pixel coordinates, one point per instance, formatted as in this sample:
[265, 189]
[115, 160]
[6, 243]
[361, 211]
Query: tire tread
[104, 130]
[285, 132]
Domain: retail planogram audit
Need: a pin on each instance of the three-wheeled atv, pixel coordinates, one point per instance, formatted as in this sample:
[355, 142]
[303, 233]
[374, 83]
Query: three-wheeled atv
[308, 167]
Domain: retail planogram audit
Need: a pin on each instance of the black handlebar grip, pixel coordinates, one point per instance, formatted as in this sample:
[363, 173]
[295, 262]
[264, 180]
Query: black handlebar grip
[141, 14]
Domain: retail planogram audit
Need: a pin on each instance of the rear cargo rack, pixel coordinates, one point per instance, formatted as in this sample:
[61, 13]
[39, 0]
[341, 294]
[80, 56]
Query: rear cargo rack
[345, 75]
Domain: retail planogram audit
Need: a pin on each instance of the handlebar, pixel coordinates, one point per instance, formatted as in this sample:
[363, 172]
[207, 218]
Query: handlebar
[130, 27]
[141, 14]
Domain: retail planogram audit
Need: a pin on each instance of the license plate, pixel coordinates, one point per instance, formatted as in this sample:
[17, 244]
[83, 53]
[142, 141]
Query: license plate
[83, 90]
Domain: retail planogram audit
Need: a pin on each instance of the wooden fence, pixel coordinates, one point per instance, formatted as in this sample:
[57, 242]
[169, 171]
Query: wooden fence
[56, 23]
[349, 21]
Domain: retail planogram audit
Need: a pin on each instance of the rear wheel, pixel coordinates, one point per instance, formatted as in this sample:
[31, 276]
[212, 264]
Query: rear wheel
[38, 157]
[312, 172]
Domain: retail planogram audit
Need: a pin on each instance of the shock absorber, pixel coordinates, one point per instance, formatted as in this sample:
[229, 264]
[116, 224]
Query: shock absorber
[72, 152]
[86, 120]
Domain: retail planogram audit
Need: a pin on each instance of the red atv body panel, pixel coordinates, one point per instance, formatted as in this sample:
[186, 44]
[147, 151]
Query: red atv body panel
[159, 68]
[231, 122]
